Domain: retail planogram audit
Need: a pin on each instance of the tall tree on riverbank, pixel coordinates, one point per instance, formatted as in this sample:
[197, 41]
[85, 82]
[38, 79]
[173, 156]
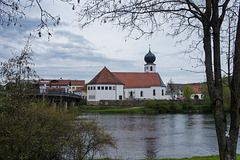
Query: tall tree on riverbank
[186, 16]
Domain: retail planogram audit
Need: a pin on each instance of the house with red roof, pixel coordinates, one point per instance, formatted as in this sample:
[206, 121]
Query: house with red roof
[61, 85]
[107, 85]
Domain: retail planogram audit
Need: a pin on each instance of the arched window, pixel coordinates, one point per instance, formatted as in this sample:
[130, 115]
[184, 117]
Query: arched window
[154, 92]
[151, 68]
[162, 92]
[141, 94]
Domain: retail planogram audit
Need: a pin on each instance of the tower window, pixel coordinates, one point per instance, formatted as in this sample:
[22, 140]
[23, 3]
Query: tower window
[151, 68]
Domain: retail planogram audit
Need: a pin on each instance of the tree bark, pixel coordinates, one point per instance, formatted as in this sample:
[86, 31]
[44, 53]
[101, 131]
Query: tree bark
[235, 96]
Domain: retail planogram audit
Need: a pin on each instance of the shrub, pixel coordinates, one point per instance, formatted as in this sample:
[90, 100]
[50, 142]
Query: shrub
[174, 106]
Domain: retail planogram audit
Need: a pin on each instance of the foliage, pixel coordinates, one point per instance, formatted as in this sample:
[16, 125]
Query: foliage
[205, 94]
[163, 106]
[187, 93]
[34, 130]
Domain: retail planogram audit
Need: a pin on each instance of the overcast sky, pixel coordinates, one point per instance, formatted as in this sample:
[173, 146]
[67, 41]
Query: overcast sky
[74, 53]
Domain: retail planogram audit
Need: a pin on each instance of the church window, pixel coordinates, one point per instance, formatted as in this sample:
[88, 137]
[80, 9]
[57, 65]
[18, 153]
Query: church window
[94, 88]
[131, 93]
[154, 92]
[102, 87]
[110, 87]
[91, 96]
[98, 87]
[162, 92]
[120, 97]
[151, 68]
[106, 88]
[141, 94]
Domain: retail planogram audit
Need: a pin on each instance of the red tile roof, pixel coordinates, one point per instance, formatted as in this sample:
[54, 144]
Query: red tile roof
[138, 80]
[197, 89]
[105, 77]
[53, 88]
[79, 89]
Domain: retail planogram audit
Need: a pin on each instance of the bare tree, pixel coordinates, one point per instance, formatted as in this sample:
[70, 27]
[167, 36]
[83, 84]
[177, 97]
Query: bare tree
[12, 11]
[189, 17]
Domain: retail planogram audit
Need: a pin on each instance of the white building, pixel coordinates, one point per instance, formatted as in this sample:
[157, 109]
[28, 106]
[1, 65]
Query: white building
[107, 85]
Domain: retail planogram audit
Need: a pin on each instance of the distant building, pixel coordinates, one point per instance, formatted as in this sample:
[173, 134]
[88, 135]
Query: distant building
[107, 85]
[60, 85]
[175, 90]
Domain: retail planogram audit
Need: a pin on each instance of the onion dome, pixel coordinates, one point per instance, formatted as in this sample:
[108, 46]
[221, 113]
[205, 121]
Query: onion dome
[149, 57]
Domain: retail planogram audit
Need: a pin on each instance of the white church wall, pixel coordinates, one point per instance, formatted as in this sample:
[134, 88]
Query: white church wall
[104, 92]
[146, 93]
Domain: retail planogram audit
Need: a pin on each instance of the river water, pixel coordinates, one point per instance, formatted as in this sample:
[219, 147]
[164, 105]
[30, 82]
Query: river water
[160, 136]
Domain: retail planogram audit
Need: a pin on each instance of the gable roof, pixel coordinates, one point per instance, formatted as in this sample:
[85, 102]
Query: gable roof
[139, 80]
[105, 77]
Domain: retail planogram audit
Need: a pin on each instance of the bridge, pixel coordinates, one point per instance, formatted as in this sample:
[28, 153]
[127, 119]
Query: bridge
[60, 99]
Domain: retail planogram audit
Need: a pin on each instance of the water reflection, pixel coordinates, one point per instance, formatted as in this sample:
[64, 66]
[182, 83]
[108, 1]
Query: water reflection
[161, 136]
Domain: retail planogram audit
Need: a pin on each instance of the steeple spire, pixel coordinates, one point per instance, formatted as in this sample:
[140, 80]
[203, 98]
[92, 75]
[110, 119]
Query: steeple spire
[149, 59]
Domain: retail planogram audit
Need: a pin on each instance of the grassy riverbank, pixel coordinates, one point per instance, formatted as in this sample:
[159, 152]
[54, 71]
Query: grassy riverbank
[193, 158]
[142, 109]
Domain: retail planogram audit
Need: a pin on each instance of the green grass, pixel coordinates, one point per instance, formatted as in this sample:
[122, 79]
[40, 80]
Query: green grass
[193, 158]
[109, 109]
[138, 110]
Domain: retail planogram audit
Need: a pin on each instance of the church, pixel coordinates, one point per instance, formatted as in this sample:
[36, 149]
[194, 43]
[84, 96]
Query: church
[107, 85]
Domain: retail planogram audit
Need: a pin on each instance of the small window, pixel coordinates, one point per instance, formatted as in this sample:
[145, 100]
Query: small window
[114, 87]
[88, 88]
[151, 68]
[154, 92]
[141, 94]
[94, 88]
[106, 88]
[120, 97]
[162, 92]
[110, 87]
[102, 87]
[98, 87]
[91, 97]
[131, 93]
[91, 88]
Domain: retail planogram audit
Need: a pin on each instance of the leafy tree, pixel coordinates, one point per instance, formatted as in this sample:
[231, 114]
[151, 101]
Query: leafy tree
[187, 93]
[34, 130]
[205, 18]
[204, 91]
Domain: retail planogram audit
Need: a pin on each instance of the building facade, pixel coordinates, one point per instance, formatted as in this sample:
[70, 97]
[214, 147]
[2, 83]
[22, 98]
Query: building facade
[61, 85]
[107, 85]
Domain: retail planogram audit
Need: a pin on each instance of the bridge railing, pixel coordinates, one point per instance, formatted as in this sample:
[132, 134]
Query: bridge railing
[61, 93]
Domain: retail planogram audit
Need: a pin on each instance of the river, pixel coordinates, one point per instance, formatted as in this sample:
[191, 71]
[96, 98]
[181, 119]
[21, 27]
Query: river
[160, 136]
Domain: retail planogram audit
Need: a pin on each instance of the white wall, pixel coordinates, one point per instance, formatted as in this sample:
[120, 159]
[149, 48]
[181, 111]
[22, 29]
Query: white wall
[147, 93]
[105, 92]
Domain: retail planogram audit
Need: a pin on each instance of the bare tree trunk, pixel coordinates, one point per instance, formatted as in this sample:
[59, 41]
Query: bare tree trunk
[235, 96]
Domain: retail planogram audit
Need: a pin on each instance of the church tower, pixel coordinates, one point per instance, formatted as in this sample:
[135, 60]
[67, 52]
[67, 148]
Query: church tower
[149, 58]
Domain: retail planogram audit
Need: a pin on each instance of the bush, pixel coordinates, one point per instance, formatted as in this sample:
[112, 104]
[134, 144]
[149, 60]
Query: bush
[174, 106]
